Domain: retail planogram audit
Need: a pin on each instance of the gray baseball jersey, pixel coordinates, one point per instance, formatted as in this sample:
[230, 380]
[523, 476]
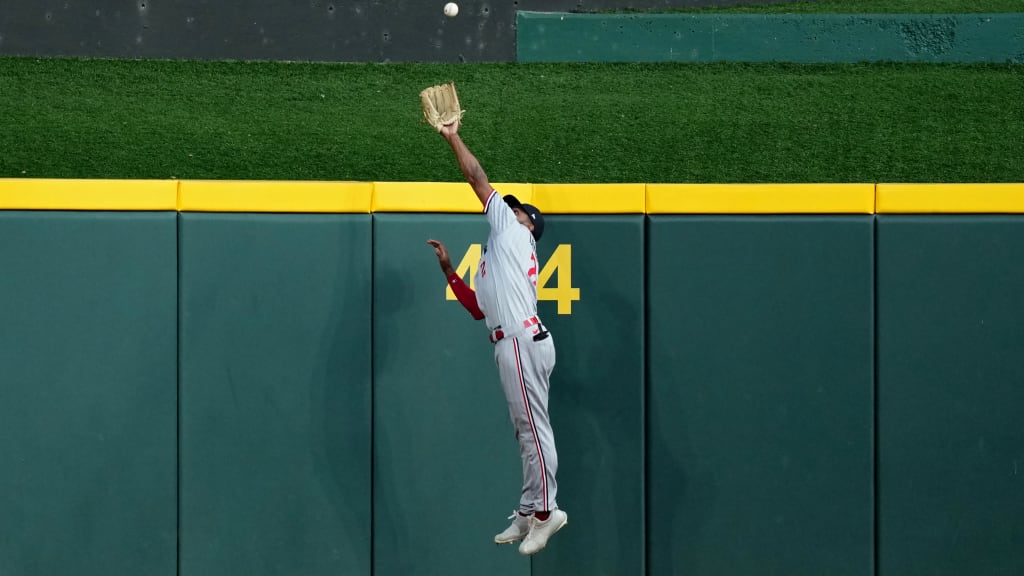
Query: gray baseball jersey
[506, 291]
[506, 277]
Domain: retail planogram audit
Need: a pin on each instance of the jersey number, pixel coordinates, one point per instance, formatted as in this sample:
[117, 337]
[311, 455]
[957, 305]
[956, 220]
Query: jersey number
[560, 261]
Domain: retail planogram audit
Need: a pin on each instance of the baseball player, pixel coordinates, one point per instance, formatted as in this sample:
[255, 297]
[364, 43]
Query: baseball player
[524, 350]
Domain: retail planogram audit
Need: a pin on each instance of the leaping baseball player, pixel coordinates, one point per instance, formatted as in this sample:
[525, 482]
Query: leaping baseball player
[524, 350]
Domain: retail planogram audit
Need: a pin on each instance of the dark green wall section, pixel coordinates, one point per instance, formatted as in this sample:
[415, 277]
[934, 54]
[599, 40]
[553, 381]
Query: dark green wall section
[951, 395]
[262, 394]
[87, 393]
[760, 395]
[275, 394]
[560, 37]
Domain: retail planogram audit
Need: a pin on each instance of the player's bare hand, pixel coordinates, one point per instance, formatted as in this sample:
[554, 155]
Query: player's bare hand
[439, 249]
[449, 130]
[442, 257]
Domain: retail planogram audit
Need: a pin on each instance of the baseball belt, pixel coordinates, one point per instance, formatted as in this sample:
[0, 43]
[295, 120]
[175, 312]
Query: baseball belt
[499, 334]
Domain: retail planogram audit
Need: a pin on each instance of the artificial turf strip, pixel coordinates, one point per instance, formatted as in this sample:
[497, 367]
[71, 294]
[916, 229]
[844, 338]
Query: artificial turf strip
[863, 7]
[70, 118]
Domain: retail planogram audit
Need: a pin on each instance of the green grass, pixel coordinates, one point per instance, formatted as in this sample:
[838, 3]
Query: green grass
[862, 7]
[526, 123]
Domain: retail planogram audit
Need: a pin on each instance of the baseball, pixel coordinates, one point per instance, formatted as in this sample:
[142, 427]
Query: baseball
[451, 9]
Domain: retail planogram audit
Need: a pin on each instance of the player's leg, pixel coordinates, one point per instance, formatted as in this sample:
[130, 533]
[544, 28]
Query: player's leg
[538, 360]
[510, 366]
[524, 379]
[508, 371]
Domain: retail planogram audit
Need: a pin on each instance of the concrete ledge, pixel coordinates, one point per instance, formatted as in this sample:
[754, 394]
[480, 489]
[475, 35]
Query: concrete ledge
[803, 38]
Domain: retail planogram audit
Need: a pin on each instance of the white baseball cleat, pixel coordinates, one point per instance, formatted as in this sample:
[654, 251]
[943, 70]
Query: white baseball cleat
[540, 531]
[516, 531]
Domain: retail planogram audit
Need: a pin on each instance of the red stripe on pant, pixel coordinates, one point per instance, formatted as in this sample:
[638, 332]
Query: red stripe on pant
[529, 416]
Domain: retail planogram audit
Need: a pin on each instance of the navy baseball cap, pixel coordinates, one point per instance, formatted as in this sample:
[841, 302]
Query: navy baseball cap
[535, 216]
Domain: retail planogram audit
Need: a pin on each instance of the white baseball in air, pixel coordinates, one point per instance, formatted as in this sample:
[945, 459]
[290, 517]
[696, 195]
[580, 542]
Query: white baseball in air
[451, 9]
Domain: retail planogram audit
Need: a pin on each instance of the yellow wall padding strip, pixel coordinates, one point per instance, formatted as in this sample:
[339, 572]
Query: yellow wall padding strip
[760, 198]
[54, 194]
[271, 196]
[590, 198]
[437, 196]
[427, 197]
[950, 198]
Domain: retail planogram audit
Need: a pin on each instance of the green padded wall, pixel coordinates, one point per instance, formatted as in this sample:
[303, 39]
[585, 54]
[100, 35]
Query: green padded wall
[951, 400]
[760, 405]
[87, 393]
[275, 394]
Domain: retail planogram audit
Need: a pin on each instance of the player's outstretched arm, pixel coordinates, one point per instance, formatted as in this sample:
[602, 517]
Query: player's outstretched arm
[465, 294]
[468, 163]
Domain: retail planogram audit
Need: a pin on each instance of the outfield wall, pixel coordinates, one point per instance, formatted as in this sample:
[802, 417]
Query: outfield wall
[209, 378]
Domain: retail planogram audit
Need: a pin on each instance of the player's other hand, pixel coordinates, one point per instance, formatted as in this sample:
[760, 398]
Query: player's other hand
[442, 257]
[449, 130]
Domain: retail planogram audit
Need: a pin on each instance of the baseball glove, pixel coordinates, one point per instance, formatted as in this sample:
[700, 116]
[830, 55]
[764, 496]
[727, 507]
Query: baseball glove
[440, 105]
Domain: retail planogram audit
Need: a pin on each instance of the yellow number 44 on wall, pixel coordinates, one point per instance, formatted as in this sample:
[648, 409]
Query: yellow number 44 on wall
[561, 260]
[563, 292]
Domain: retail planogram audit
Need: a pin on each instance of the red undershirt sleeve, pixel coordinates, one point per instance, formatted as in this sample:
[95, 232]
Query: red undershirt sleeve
[466, 296]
